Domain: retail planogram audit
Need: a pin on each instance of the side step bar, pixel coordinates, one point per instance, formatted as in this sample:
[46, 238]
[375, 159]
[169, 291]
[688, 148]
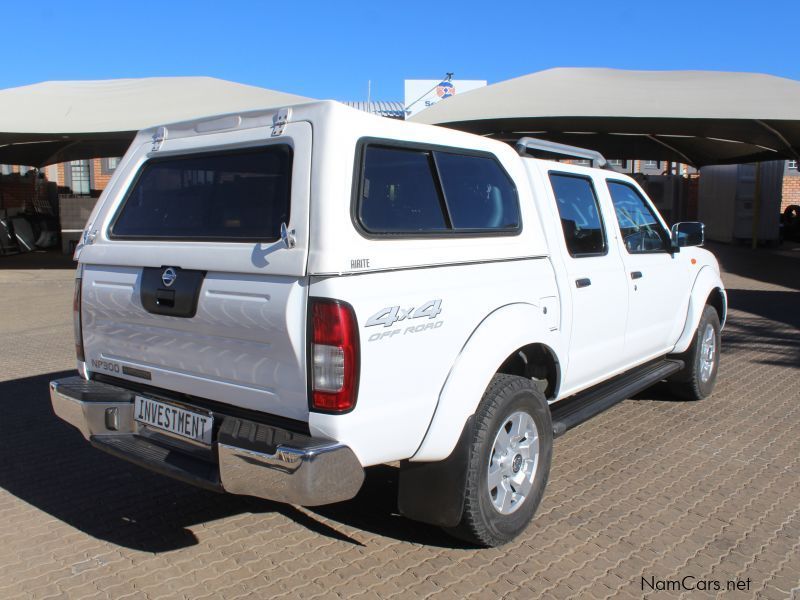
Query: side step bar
[589, 403]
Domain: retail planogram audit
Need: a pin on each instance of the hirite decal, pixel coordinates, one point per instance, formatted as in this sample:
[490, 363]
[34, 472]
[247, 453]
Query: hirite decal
[359, 263]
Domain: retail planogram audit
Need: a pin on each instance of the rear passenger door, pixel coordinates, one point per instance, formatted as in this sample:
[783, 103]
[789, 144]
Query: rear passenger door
[657, 278]
[596, 283]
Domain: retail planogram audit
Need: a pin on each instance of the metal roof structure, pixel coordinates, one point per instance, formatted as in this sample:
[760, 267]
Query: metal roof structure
[392, 110]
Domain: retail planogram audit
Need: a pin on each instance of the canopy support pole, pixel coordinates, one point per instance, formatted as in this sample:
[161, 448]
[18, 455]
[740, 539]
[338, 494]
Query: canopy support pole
[756, 208]
[53, 156]
[689, 161]
[780, 137]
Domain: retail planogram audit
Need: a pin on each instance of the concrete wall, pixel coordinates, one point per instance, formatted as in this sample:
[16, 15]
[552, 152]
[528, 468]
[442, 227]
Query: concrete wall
[74, 212]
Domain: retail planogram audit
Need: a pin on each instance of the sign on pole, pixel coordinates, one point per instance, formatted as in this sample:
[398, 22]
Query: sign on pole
[422, 93]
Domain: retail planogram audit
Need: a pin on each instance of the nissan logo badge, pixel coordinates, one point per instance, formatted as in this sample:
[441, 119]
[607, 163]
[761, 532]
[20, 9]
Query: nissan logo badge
[169, 276]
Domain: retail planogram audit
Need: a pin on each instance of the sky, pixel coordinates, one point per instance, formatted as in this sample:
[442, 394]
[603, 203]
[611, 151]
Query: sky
[332, 49]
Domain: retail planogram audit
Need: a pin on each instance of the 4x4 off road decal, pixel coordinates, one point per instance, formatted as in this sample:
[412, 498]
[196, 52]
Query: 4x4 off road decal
[392, 314]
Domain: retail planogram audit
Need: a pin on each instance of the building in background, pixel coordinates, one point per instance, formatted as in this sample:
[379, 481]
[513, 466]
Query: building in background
[391, 110]
[83, 177]
[60, 196]
[791, 185]
[78, 177]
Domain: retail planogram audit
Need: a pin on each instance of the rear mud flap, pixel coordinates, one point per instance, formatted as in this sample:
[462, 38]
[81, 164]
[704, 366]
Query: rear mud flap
[433, 492]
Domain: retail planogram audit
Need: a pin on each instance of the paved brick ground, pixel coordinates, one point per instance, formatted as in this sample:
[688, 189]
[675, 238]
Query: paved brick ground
[652, 488]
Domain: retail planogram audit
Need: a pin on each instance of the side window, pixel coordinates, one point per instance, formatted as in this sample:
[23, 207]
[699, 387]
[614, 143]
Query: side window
[641, 230]
[418, 191]
[479, 194]
[580, 214]
[399, 193]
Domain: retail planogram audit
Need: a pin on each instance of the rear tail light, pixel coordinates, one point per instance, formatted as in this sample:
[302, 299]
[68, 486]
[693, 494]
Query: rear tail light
[334, 356]
[76, 319]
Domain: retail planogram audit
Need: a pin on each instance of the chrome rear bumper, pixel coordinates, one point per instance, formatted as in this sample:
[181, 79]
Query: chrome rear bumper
[246, 457]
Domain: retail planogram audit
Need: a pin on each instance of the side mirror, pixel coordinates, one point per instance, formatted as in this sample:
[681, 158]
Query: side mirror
[688, 233]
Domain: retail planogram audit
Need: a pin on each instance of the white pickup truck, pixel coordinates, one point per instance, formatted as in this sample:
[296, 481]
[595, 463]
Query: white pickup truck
[267, 303]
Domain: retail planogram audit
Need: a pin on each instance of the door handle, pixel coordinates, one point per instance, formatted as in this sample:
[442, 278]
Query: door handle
[581, 283]
[636, 274]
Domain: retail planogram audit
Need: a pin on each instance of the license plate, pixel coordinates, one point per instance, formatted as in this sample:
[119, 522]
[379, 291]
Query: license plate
[177, 420]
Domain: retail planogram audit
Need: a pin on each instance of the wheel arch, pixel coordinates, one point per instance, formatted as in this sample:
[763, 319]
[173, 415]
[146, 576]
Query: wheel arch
[707, 289]
[535, 361]
[513, 339]
[718, 300]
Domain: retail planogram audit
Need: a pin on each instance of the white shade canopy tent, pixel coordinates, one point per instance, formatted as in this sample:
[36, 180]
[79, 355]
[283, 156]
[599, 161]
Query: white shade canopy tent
[695, 117]
[57, 121]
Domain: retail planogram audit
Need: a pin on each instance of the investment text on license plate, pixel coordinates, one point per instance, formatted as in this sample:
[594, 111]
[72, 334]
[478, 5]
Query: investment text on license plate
[195, 426]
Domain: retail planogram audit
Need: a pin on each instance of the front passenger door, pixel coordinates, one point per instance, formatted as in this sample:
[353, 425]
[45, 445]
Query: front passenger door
[658, 279]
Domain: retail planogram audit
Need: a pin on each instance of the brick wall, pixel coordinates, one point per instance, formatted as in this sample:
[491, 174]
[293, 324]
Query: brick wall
[791, 191]
[16, 193]
[100, 180]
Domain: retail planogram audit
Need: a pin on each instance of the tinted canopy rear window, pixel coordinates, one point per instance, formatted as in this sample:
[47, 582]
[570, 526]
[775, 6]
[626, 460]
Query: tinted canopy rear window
[231, 196]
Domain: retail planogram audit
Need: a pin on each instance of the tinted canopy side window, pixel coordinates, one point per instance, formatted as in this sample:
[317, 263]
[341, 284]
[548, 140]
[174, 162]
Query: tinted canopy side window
[580, 214]
[641, 230]
[399, 193]
[479, 194]
[231, 196]
[419, 191]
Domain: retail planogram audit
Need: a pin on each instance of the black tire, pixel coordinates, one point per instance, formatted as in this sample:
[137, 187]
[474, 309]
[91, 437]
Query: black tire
[791, 215]
[481, 523]
[791, 222]
[690, 383]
